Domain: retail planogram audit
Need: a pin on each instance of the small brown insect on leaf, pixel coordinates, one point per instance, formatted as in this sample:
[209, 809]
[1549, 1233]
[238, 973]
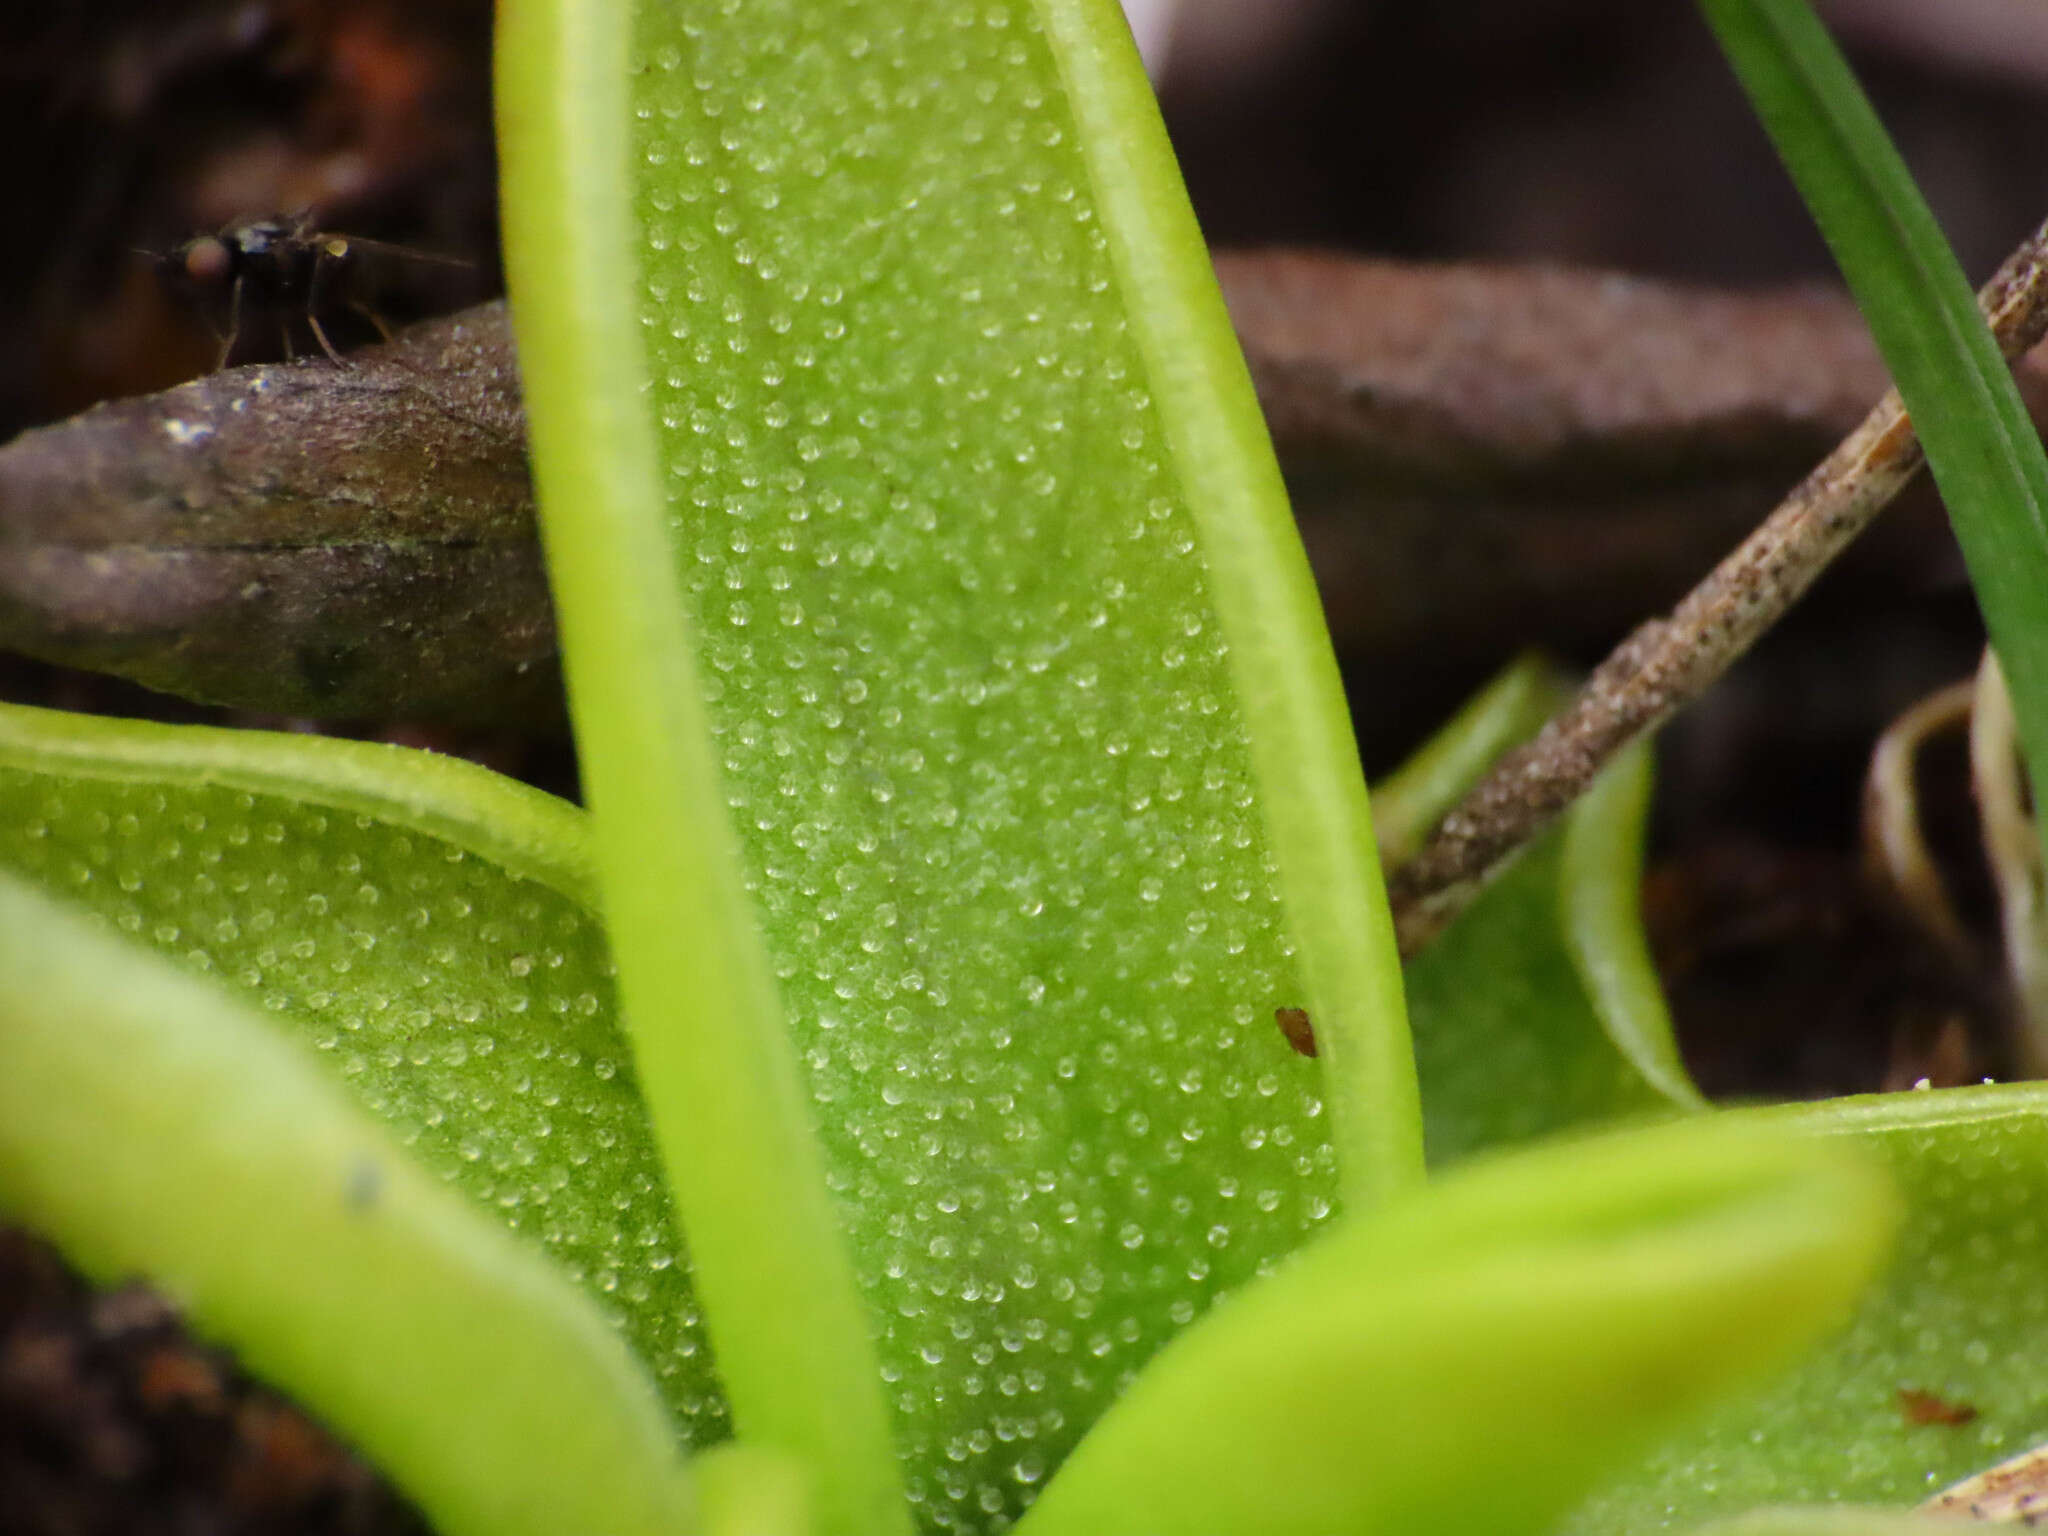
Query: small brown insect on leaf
[1295, 1026]
[1924, 1407]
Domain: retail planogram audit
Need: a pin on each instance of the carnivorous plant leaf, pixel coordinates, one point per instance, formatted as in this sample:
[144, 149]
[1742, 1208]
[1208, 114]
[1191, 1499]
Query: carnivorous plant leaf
[1511, 1037]
[1470, 1360]
[1508, 1042]
[1015, 691]
[425, 927]
[153, 1125]
[1600, 888]
[1935, 1378]
[796, 1356]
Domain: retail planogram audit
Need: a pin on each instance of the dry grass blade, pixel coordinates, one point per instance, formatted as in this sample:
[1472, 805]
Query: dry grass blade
[1895, 851]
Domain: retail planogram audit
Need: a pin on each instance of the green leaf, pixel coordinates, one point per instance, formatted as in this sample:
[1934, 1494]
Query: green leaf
[1960, 1314]
[745, 1490]
[151, 1126]
[1981, 444]
[1538, 1009]
[1600, 884]
[420, 924]
[714, 1056]
[1507, 1040]
[1470, 1360]
[942, 553]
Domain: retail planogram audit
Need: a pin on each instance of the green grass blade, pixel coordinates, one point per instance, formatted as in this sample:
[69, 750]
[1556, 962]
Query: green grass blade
[1980, 443]
[150, 1125]
[715, 1062]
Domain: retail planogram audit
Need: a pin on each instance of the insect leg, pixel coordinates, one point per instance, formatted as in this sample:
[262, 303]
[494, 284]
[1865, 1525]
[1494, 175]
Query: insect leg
[373, 317]
[227, 345]
[320, 335]
[326, 256]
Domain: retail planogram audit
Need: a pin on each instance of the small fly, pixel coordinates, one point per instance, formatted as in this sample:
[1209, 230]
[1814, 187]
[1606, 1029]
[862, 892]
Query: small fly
[284, 268]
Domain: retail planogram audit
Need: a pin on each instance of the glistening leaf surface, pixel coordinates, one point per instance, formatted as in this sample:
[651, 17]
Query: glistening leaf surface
[1507, 1042]
[419, 924]
[1961, 1314]
[151, 1124]
[1469, 1360]
[1512, 1037]
[967, 641]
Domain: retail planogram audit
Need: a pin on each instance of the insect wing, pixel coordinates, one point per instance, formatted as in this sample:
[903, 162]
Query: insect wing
[351, 244]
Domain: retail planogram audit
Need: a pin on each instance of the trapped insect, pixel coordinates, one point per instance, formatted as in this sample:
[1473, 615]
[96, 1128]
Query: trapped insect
[1923, 1407]
[285, 269]
[1294, 1024]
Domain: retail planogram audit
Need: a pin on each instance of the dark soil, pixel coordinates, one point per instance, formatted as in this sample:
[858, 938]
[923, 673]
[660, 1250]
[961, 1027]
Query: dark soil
[114, 1423]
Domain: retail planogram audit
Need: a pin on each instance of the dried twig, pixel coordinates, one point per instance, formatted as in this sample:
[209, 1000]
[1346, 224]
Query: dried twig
[1669, 662]
[1479, 456]
[309, 539]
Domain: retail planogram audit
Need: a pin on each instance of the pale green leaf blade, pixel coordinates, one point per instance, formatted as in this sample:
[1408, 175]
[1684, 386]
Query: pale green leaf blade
[1508, 1042]
[151, 1126]
[1600, 889]
[1960, 1315]
[1538, 1009]
[747, 1490]
[1279, 667]
[419, 923]
[1472, 1359]
[1022, 713]
[715, 1059]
